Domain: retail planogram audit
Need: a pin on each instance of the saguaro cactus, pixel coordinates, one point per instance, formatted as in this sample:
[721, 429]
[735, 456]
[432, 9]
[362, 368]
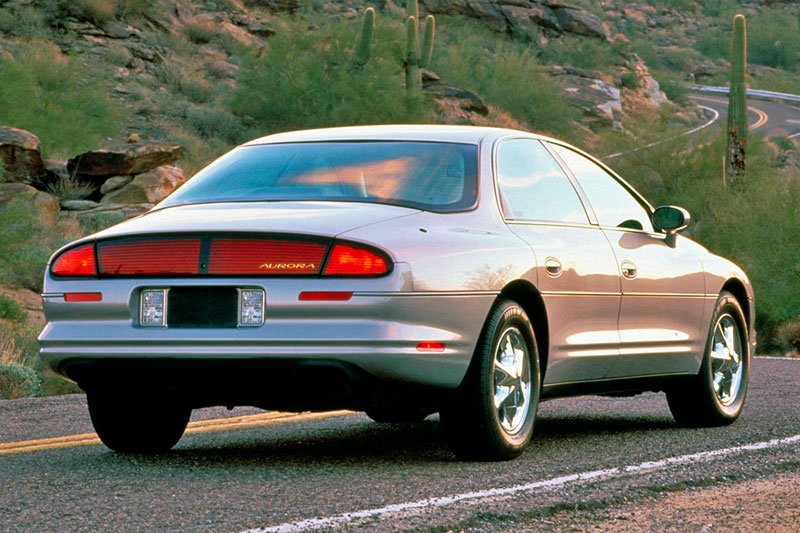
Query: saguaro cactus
[413, 76]
[364, 49]
[416, 58]
[735, 156]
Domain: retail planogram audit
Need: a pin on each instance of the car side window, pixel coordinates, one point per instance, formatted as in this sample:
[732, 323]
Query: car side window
[613, 204]
[533, 185]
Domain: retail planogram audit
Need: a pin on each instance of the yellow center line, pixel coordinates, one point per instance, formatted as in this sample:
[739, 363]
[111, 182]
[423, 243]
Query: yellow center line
[200, 426]
[763, 118]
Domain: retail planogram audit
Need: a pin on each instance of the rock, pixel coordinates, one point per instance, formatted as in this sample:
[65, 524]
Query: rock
[599, 100]
[466, 100]
[78, 205]
[134, 138]
[45, 204]
[151, 187]
[523, 16]
[112, 184]
[580, 22]
[125, 160]
[260, 30]
[21, 155]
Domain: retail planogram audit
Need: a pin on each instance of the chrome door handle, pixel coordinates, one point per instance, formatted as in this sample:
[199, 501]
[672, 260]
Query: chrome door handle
[552, 266]
[628, 269]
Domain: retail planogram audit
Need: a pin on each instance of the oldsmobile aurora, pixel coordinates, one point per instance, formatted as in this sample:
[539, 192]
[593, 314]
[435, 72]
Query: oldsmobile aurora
[402, 271]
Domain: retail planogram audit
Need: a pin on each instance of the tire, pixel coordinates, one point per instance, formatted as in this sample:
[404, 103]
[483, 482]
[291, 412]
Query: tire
[127, 426]
[506, 352]
[715, 397]
[398, 415]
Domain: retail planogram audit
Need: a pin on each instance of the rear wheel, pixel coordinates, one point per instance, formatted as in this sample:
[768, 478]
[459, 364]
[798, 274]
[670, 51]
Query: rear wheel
[492, 414]
[715, 397]
[141, 426]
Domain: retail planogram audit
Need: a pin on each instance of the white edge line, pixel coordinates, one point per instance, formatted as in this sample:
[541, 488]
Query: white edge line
[715, 116]
[777, 357]
[584, 477]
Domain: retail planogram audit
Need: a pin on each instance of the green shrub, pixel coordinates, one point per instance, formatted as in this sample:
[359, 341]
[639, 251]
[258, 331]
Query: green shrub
[11, 310]
[714, 43]
[200, 31]
[23, 21]
[26, 243]
[788, 336]
[18, 381]
[773, 39]
[47, 93]
[69, 188]
[581, 52]
[471, 56]
[305, 79]
[211, 123]
[2, 172]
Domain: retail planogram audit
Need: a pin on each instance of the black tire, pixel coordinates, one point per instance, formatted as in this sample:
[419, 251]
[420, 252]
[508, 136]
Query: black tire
[710, 399]
[398, 415]
[143, 426]
[474, 427]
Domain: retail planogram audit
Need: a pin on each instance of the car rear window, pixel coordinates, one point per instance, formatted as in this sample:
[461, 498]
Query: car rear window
[426, 175]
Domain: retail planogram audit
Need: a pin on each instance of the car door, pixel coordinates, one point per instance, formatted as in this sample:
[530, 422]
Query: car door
[576, 268]
[663, 287]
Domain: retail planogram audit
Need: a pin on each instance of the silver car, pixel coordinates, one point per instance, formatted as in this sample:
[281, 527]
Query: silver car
[402, 271]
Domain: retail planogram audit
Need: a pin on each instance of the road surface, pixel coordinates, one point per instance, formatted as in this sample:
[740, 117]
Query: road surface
[593, 462]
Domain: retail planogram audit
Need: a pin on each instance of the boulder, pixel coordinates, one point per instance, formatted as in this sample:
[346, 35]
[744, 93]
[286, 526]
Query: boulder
[523, 16]
[21, 155]
[579, 22]
[599, 100]
[151, 187]
[112, 184]
[129, 159]
[466, 100]
[78, 205]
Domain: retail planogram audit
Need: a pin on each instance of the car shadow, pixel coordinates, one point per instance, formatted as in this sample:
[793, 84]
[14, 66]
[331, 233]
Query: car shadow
[362, 442]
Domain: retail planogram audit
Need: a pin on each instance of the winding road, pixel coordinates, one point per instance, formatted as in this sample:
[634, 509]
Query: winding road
[247, 469]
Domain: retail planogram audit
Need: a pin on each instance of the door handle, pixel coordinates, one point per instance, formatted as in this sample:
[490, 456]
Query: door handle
[628, 269]
[552, 266]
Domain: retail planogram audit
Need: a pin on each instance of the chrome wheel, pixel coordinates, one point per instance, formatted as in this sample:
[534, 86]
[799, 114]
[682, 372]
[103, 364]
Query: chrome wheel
[726, 359]
[512, 380]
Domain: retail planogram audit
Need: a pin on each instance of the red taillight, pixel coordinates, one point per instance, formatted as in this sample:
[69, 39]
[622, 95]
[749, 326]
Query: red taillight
[324, 296]
[265, 256]
[177, 256]
[347, 260]
[77, 262]
[83, 296]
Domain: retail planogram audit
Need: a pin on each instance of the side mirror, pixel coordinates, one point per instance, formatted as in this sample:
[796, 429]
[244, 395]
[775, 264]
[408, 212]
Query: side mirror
[671, 219]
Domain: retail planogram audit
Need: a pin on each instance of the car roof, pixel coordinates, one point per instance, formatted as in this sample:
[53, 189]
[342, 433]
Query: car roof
[403, 132]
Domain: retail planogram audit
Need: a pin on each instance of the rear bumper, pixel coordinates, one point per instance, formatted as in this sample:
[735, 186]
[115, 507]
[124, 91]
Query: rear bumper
[373, 335]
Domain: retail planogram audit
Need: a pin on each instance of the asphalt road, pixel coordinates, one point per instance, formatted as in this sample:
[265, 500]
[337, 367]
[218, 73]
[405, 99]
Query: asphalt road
[770, 118]
[588, 454]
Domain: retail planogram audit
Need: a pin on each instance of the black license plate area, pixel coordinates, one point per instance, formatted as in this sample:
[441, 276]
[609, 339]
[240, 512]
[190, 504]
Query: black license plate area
[202, 307]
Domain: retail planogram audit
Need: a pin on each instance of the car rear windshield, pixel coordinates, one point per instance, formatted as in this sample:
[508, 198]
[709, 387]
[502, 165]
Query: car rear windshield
[432, 176]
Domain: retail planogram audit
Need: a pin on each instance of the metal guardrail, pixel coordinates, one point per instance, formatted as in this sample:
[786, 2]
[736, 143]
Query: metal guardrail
[758, 93]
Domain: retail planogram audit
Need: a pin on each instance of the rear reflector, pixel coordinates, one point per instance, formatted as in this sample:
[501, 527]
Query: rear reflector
[77, 262]
[325, 296]
[351, 260]
[148, 257]
[430, 346]
[83, 297]
[265, 256]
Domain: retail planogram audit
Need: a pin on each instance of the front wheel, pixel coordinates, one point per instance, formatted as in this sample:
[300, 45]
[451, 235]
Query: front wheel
[715, 397]
[128, 426]
[491, 416]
